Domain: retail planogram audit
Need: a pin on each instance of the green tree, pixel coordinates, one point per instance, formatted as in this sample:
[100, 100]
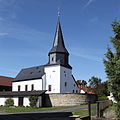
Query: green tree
[112, 66]
[33, 100]
[82, 82]
[9, 102]
[94, 81]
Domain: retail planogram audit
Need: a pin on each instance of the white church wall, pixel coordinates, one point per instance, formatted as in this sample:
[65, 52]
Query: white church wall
[37, 85]
[2, 100]
[15, 101]
[53, 78]
[26, 101]
[67, 84]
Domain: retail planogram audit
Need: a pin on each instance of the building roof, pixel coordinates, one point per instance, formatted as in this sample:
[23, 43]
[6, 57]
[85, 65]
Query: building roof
[30, 73]
[84, 88]
[58, 44]
[22, 93]
[6, 81]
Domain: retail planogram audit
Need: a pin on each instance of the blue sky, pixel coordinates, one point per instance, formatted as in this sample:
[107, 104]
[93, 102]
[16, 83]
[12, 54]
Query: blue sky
[27, 29]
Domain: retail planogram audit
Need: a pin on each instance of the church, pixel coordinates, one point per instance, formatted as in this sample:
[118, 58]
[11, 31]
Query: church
[53, 83]
[55, 76]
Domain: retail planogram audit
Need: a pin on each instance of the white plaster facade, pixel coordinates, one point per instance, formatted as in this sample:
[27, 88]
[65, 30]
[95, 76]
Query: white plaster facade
[59, 78]
[38, 84]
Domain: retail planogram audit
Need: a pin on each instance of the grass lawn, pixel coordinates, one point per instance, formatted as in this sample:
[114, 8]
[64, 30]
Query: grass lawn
[83, 112]
[4, 109]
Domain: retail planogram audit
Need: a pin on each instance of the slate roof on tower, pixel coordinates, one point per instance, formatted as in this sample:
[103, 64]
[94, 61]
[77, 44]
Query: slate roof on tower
[58, 44]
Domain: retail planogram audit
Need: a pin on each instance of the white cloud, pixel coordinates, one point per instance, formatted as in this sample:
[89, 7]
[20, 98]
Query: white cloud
[3, 34]
[88, 3]
[88, 57]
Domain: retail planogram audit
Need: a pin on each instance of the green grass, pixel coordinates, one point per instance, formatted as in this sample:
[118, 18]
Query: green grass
[4, 109]
[82, 112]
[111, 107]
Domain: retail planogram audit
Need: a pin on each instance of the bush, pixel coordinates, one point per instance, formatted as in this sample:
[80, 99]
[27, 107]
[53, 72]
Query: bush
[102, 98]
[9, 102]
[33, 100]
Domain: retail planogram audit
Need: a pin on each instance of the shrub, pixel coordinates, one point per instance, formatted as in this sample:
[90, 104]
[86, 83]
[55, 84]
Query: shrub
[102, 98]
[9, 102]
[33, 100]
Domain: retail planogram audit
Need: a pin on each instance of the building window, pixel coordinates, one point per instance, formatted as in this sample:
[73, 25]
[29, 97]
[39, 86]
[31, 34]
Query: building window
[65, 84]
[76, 91]
[31, 72]
[52, 58]
[73, 91]
[18, 87]
[49, 87]
[26, 87]
[65, 75]
[32, 87]
[74, 85]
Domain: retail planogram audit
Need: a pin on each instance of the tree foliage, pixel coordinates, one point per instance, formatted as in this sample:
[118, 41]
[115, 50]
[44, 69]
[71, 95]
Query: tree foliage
[98, 87]
[33, 100]
[9, 102]
[94, 81]
[112, 66]
[82, 82]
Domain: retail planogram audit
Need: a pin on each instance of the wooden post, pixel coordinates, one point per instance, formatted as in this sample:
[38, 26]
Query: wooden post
[98, 110]
[89, 109]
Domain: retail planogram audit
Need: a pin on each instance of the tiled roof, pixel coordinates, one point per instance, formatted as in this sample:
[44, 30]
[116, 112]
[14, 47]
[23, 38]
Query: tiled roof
[30, 73]
[6, 81]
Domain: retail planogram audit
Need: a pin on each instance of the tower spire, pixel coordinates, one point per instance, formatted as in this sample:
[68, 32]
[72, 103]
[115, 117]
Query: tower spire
[59, 54]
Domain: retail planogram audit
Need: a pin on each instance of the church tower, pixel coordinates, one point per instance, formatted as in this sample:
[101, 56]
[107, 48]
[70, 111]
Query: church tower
[59, 54]
[58, 72]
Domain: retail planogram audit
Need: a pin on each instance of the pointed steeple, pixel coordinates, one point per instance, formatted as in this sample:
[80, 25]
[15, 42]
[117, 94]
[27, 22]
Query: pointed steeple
[58, 44]
[59, 54]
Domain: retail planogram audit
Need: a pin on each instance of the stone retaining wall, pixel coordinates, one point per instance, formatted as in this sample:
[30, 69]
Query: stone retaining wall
[67, 99]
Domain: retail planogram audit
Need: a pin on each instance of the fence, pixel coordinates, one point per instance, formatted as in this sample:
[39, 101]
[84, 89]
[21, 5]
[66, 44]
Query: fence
[101, 106]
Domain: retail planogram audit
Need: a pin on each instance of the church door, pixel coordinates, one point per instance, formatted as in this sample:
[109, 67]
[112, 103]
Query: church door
[20, 101]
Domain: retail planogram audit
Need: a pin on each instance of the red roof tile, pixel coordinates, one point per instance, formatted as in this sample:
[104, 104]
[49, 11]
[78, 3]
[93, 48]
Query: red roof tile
[6, 81]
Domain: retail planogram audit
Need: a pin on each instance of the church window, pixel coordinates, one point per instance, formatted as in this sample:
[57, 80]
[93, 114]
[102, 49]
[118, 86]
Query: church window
[32, 87]
[26, 87]
[74, 85]
[65, 75]
[49, 87]
[65, 84]
[73, 91]
[52, 58]
[18, 87]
